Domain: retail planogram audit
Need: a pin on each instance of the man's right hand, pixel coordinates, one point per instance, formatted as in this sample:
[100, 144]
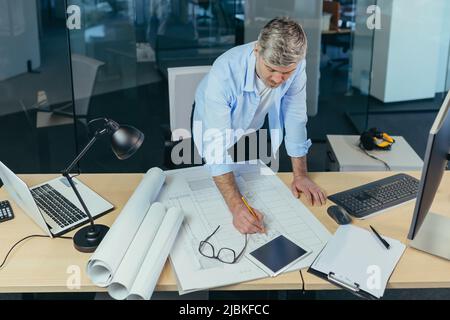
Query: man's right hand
[244, 221]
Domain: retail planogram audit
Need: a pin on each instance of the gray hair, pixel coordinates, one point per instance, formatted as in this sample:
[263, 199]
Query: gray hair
[282, 42]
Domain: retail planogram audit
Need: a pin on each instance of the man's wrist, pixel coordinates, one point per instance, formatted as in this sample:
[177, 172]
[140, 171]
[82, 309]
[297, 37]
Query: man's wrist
[234, 202]
[299, 167]
[300, 174]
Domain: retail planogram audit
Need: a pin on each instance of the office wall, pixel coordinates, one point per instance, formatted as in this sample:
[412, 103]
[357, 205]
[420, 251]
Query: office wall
[361, 58]
[308, 13]
[406, 50]
[443, 76]
[381, 51]
[19, 37]
[448, 73]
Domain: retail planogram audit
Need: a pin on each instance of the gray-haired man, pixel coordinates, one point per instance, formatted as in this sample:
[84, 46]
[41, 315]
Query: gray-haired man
[246, 83]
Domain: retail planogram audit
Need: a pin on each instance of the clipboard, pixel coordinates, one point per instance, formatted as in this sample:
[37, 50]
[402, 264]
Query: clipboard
[355, 260]
[341, 283]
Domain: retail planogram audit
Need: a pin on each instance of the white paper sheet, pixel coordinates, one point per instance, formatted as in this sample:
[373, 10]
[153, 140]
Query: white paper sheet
[357, 256]
[194, 190]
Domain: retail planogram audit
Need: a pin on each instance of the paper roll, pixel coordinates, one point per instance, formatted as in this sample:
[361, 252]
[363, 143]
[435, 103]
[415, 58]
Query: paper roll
[134, 257]
[105, 261]
[153, 264]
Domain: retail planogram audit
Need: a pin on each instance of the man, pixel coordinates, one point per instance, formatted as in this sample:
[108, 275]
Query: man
[246, 83]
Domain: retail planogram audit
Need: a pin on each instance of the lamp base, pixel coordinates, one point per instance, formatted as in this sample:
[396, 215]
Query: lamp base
[88, 238]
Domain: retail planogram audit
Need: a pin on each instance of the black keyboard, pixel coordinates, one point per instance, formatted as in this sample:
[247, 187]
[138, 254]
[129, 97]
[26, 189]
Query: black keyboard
[378, 195]
[55, 205]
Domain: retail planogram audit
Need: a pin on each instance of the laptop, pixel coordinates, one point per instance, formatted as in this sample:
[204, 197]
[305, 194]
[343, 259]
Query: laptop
[53, 205]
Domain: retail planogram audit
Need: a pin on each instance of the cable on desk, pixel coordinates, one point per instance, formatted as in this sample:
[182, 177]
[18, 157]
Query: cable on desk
[23, 239]
[303, 282]
[376, 158]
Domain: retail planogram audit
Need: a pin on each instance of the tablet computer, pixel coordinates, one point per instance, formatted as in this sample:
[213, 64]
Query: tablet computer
[278, 254]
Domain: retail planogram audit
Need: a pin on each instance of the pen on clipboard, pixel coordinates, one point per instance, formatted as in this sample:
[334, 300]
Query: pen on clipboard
[252, 213]
[385, 243]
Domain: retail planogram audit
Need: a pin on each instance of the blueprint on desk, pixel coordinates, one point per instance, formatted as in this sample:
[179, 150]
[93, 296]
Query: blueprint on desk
[194, 190]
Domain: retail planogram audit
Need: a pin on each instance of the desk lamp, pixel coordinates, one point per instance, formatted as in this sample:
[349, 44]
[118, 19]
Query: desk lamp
[125, 141]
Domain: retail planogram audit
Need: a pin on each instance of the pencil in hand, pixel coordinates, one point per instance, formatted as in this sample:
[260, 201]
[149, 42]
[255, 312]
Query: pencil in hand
[253, 214]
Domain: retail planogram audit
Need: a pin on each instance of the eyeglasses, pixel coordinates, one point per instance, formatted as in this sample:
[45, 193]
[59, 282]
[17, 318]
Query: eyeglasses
[225, 255]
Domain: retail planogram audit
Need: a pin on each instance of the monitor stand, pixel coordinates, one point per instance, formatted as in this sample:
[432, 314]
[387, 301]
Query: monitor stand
[434, 236]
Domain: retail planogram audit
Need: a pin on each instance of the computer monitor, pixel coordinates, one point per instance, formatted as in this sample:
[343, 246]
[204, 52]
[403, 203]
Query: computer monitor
[429, 231]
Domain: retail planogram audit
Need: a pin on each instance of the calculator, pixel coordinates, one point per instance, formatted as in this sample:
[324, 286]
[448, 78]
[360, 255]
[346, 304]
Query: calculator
[6, 212]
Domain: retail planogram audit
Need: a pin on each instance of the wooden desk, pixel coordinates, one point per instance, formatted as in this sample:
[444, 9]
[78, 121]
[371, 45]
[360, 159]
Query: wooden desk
[416, 269]
[47, 265]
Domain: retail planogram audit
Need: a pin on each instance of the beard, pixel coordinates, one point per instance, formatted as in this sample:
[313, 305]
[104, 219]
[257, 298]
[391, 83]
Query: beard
[273, 84]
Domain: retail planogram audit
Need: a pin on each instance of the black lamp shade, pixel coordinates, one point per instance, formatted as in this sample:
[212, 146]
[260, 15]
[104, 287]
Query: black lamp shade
[125, 141]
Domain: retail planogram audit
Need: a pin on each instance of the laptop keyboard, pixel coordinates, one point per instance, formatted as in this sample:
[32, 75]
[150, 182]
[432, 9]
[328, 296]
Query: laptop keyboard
[56, 206]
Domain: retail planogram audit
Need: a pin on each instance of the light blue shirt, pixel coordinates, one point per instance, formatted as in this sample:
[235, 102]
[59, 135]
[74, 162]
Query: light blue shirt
[226, 101]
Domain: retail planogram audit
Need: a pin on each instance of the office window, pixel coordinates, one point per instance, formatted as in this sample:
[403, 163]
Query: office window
[34, 77]
[121, 53]
[125, 48]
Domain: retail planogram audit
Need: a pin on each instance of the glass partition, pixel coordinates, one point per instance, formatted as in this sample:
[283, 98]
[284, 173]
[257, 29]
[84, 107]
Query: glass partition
[34, 80]
[120, 56]
[105, 79]
[120, 53]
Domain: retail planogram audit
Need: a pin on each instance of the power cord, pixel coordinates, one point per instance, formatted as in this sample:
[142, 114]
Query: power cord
[303, 282]
[23, 239]
[373, 157]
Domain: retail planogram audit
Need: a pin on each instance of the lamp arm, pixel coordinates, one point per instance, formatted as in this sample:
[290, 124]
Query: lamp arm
[66, 172]
[86, 210]
[97, 134]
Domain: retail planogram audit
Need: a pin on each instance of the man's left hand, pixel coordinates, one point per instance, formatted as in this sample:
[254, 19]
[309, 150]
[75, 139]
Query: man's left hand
[314, 195]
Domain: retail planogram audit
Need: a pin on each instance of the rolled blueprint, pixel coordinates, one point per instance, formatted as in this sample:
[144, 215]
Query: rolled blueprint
[134, 257]
[153, 264]
[105, 261]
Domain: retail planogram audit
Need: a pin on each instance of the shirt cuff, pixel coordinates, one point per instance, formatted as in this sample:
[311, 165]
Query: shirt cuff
[219, 169]
[298, 149]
